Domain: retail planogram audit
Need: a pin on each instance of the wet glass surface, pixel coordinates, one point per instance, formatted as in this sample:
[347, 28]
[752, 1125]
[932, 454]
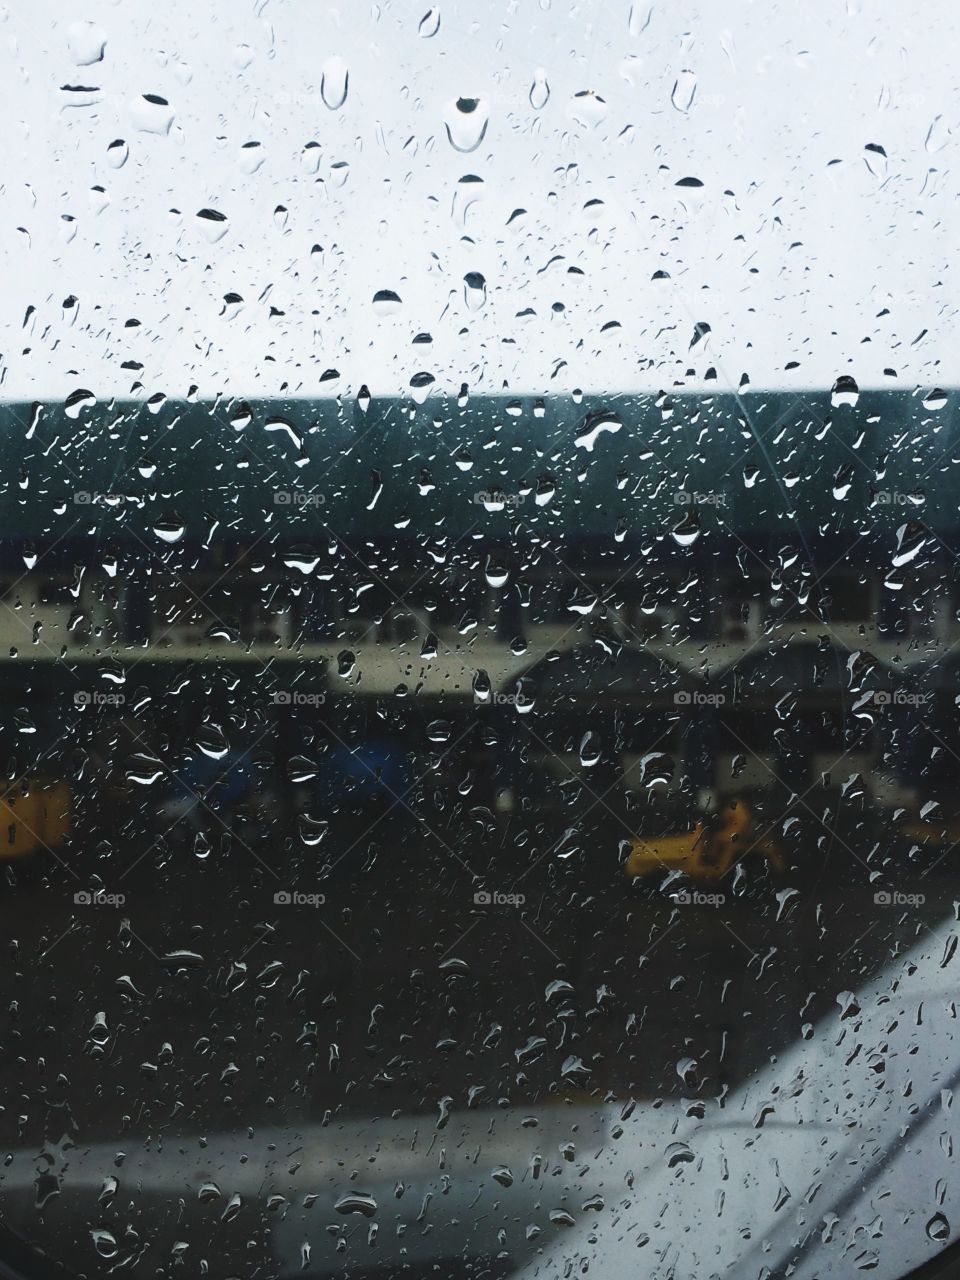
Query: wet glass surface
[480, 640]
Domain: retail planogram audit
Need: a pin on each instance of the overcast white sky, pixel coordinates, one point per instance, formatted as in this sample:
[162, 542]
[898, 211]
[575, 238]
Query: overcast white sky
[787, 256]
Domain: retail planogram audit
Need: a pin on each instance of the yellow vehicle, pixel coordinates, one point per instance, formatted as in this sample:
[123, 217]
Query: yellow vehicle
[33, 816]
[707, 852]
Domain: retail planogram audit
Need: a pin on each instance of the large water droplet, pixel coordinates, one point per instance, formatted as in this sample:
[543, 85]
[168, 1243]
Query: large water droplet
[678, 1153]
[334, 82]
[595, 423]
[386, 302]
[539, 90]
[844, 392]
[466, 123]
[117, 153]
[687, 531]
[938, 135]
[212, 224]
[356, 1202]
[152, 114]
[684, 91]
[169, 529]
[104, 1241]
[474, 290]
[938, 1228]
[429, 23]
[420, 385]
[876, 158]
[86, 42]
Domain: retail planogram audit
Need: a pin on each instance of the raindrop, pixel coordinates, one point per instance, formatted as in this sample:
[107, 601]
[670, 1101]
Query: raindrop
[303, 559]
[334, 82]
[252, 157]
[346, 661]
[466, 123]
[105, 1242]
[152, 114]
[86, 42]
[356, 1202]
[420, 385]
[77, 401]
[429, 23]
[876, 159]
[170, 529]
[938, 135]
[539, 90]
[117, 153]
[678, 1153]
[212, 742]
[938, 1228]
[844, 392]
[474, 290]
[232, 1209]
[684, 91]
[588, 108]
[496, 573]
[386, 302]
[594, 425]
[213, 224]
[687, 531]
